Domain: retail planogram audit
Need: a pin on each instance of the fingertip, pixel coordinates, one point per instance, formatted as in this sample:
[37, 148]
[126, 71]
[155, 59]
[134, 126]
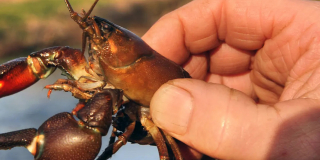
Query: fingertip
[171, 108]
[205, 116]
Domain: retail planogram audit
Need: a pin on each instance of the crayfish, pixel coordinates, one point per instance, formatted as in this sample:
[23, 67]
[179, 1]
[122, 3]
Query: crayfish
[114, 87]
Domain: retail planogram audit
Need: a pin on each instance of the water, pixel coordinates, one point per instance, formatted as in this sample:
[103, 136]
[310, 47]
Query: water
[31, 107]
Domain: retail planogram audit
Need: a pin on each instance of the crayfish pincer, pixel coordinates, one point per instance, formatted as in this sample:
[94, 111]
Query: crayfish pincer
[60, 137]
[114, 87]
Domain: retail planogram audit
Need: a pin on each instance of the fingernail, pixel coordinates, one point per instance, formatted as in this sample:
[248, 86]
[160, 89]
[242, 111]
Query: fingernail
[171, 109]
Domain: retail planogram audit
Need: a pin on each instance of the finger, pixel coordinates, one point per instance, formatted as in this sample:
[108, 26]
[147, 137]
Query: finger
[203, 24]
[179, 108]
[224, 60]
[191, 28]
[197, 66]
[241, 82]
[227, 60]
[226, 124]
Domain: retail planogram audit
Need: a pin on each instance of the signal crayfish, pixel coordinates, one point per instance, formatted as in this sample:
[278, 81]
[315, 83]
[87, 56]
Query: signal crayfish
[114, 87]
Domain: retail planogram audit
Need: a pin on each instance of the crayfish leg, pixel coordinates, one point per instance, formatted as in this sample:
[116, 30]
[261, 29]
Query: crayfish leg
[173, 145]
[122, 140]
[113, 136]
[77, 93]
[157, 137]
[78, 107]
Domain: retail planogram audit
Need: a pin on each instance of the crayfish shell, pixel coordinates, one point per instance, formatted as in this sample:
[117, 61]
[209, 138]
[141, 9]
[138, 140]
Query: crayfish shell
[62, 138]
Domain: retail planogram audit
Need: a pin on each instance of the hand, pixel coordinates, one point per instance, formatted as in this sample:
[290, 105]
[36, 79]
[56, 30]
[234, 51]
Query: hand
[258, 68]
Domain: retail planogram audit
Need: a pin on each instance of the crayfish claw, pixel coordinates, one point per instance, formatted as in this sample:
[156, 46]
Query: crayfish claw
[21, 138]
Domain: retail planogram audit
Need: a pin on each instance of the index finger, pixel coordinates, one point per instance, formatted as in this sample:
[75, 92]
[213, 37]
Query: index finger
[175, 34]
[202, 25]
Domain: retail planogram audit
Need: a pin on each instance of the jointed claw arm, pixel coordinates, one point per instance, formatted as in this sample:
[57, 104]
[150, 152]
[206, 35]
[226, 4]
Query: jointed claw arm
[21, 73]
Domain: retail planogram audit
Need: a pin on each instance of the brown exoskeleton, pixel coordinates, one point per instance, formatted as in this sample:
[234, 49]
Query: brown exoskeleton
[119, 62]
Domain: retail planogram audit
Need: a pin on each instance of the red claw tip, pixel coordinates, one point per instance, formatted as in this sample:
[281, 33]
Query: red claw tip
[49, 93]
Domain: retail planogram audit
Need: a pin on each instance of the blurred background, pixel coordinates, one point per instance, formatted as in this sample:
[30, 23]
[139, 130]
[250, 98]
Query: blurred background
[30, 25]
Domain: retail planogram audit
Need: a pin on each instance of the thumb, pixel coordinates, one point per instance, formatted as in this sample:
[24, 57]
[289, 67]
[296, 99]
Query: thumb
[213, 119]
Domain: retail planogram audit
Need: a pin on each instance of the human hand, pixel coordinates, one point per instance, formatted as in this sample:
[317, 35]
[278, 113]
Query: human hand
[258, 65]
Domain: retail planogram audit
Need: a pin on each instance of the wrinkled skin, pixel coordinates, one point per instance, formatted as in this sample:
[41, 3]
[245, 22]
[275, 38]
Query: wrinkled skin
[117, 59]
[268, 50]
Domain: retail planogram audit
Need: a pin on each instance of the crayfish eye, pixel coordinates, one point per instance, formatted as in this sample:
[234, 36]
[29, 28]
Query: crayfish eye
[105, 27]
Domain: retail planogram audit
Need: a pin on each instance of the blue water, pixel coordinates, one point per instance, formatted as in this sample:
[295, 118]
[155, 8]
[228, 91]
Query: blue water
[31, 107]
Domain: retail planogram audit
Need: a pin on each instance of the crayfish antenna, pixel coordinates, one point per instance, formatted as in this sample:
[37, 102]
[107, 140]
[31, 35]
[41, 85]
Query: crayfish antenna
[76, 17]
[81, 21]
[90, 10]
[69, 6]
